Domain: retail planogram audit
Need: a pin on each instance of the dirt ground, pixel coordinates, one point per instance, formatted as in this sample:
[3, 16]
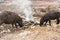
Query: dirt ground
[33, 33]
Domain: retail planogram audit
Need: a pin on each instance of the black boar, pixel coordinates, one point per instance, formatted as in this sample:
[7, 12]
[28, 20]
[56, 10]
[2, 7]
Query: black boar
[50, 16]
[8, 17]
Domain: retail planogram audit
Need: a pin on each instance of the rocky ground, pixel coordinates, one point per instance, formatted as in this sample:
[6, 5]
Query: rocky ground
[35, 32]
